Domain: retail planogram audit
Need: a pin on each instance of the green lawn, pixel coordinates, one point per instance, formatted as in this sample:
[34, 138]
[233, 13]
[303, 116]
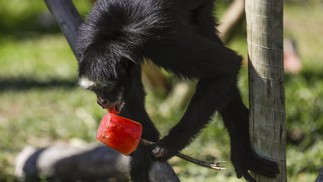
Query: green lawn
[40, 103]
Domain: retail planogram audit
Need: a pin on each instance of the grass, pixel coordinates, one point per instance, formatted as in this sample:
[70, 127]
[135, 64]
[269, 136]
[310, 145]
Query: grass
[41, 103]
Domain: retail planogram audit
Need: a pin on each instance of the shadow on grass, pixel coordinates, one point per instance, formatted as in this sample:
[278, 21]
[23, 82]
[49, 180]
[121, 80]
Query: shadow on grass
[22, 84]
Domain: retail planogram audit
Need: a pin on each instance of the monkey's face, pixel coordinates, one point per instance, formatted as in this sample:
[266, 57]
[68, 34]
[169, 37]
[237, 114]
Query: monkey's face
[107, 80]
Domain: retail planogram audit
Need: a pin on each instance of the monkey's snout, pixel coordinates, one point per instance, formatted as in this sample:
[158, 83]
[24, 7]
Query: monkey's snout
[104, 103]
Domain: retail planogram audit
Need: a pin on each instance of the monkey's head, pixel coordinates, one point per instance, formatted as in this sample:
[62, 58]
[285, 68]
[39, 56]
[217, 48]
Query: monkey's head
[108, 62]
[105, 65]
[105, 76]
[111, 42]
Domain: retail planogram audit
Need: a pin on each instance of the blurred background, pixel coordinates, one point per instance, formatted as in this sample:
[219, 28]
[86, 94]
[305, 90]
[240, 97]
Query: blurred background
[41, 104]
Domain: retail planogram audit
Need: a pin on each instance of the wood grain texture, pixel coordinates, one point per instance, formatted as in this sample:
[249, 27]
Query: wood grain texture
[266, 81]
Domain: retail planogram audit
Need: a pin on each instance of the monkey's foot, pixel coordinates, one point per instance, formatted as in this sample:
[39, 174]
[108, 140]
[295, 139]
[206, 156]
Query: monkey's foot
[249, 160]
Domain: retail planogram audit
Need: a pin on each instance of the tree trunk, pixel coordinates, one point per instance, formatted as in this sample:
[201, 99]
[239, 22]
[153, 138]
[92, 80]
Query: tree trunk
[266, 81]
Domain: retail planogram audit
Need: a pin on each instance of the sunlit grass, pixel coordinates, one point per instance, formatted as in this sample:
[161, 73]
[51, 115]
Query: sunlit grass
[41, 57]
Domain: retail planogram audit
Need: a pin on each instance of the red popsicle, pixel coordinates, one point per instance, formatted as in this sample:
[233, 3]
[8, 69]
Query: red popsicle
[124, 135]
[119, 133]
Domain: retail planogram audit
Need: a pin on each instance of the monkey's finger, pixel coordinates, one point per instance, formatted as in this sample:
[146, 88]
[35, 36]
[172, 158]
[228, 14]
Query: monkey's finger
[265, 167]
[247, 176]
[268, 171]
[239, 174]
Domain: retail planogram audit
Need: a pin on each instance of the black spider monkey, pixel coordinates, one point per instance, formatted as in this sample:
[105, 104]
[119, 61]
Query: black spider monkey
[177, 35]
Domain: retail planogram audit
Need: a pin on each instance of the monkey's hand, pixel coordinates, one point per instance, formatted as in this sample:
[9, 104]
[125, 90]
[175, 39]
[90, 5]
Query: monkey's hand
[246, 159]
[160, 151]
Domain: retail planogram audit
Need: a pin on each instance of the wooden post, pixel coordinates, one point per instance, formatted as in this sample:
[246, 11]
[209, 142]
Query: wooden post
[266, 81]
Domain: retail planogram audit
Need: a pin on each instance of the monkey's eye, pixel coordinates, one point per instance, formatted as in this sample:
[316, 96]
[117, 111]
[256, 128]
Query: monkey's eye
[107, 87]
[101, 90]
[123, 65]
[102, 87]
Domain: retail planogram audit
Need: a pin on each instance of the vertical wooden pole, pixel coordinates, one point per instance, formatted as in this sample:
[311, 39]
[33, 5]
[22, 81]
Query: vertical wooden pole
[266, 81]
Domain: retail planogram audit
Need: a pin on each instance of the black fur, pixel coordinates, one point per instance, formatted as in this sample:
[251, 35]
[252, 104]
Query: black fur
[179, 36]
